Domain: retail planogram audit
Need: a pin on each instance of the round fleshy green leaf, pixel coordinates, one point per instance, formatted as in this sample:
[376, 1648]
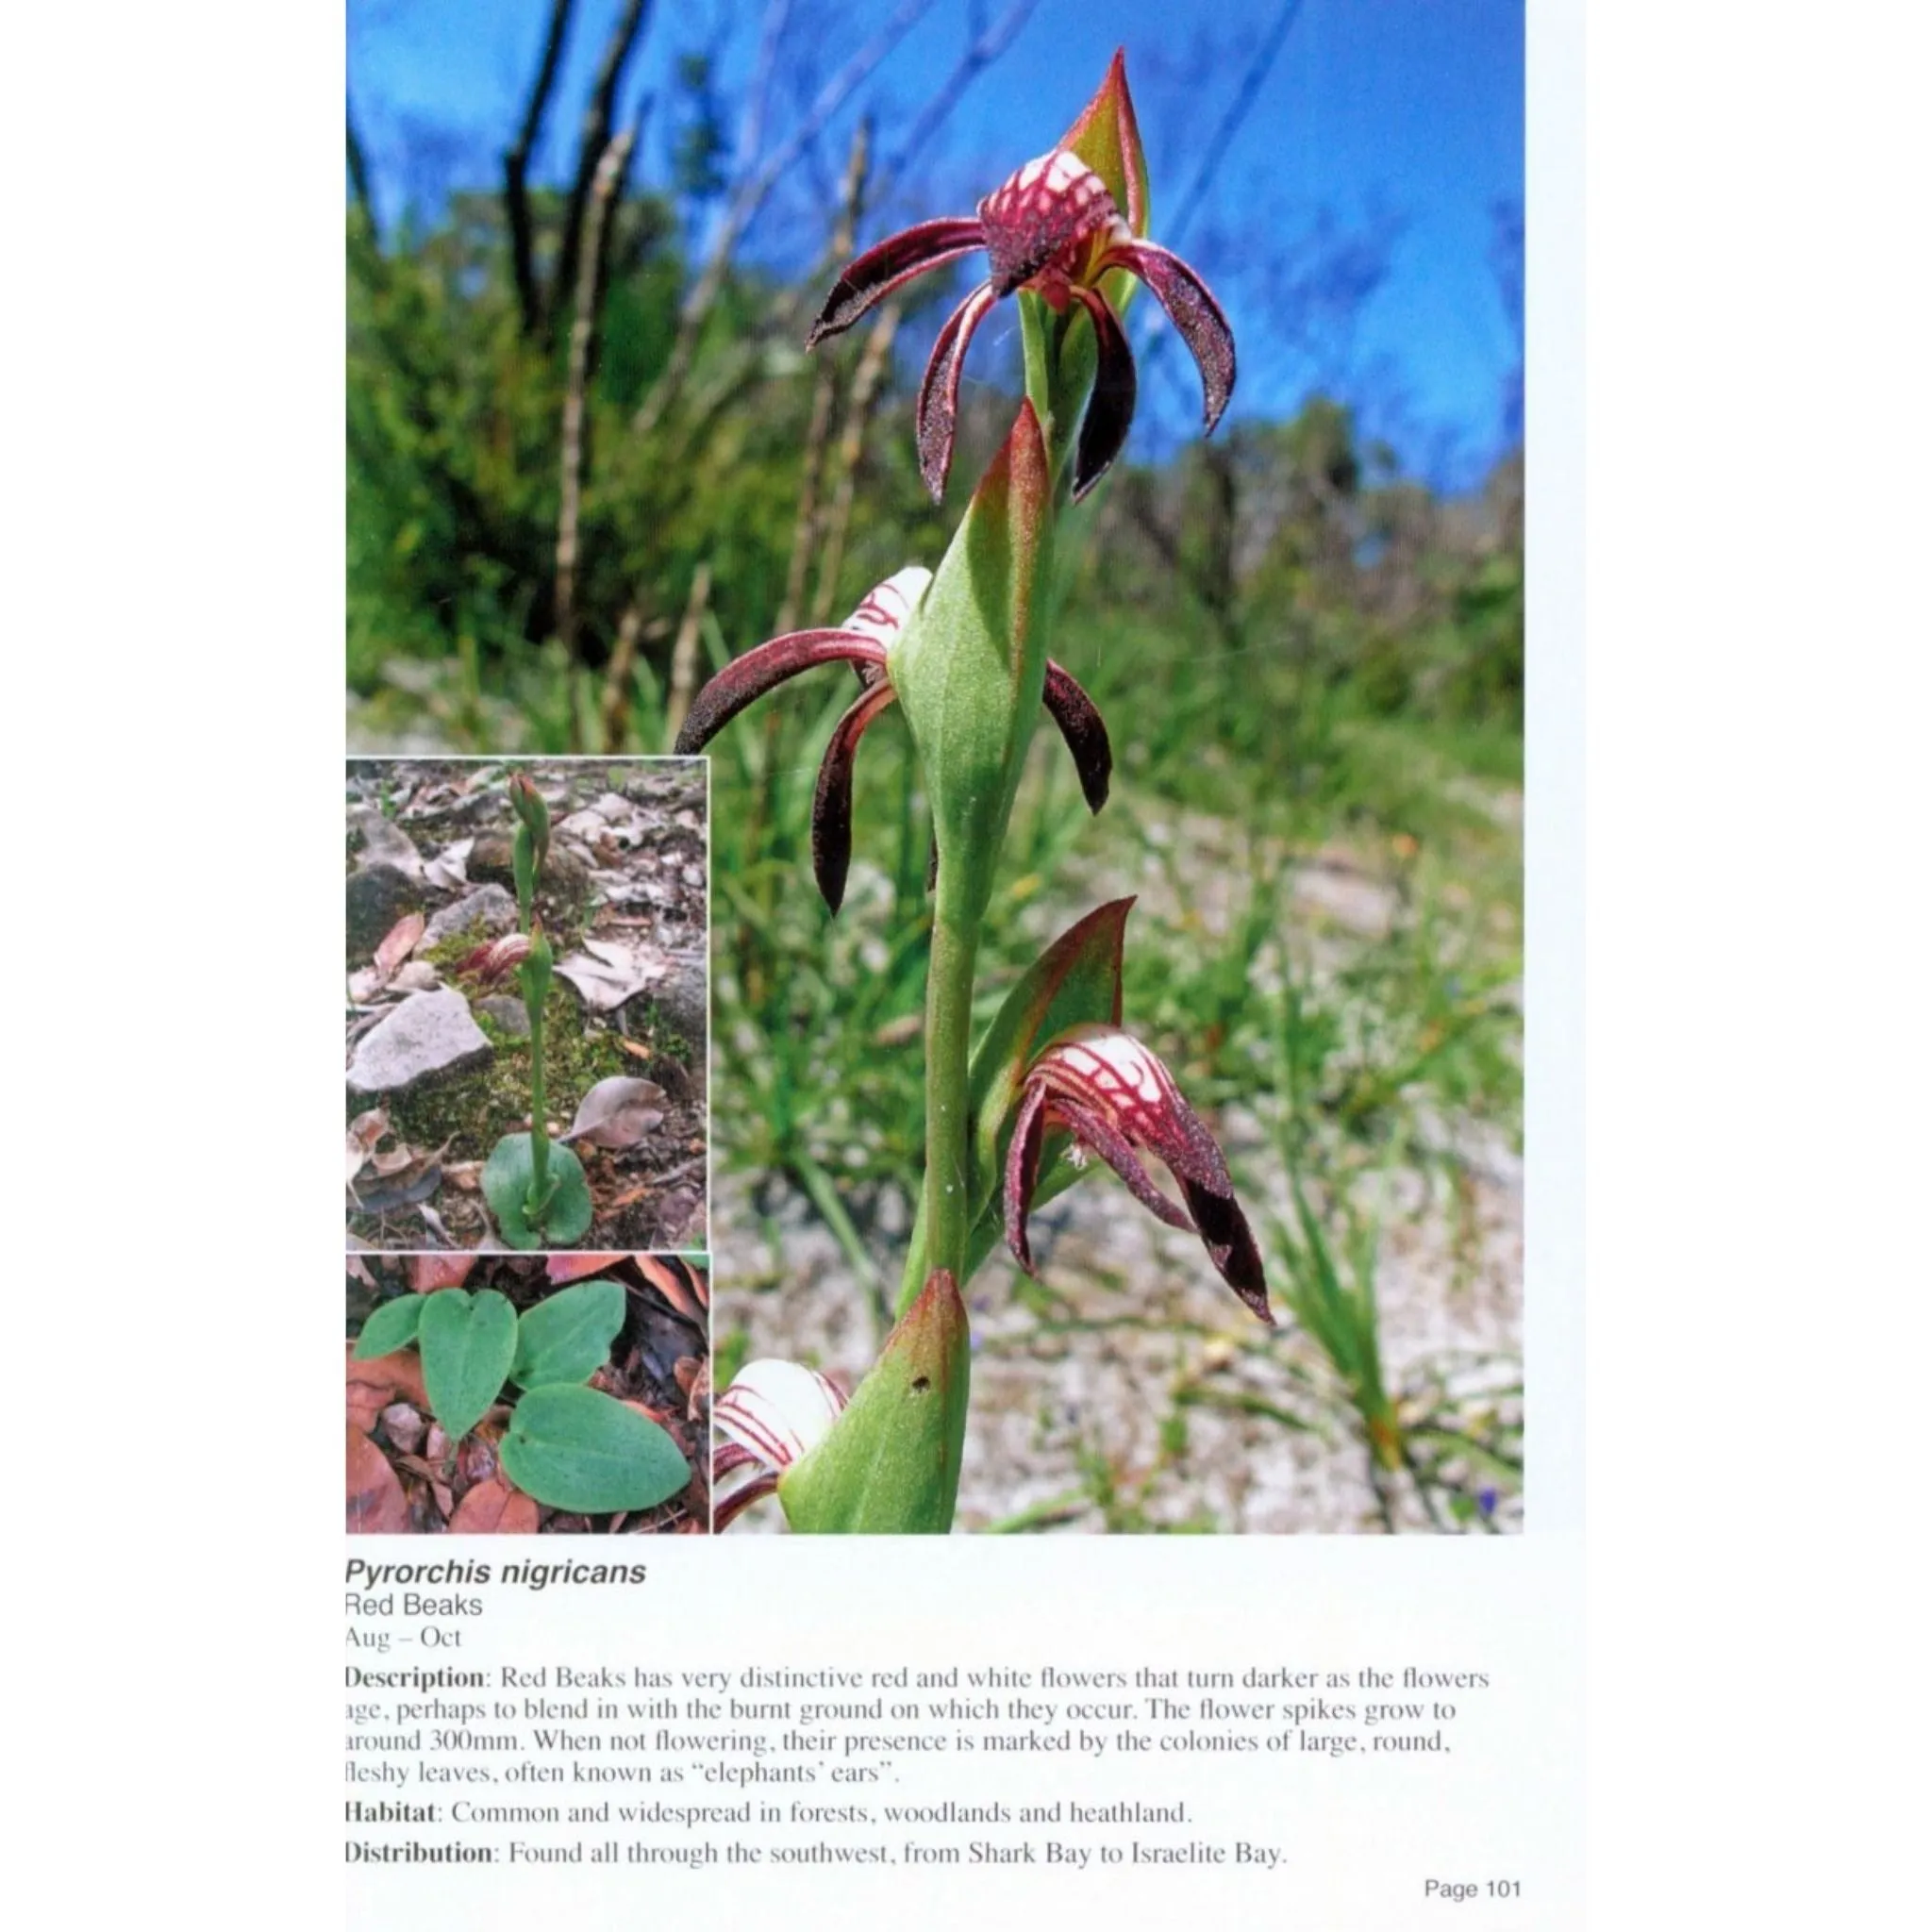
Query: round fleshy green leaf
[507, 1177]
[390, 1328]
[568, 1338]
[468, 1342]
[576, 1448]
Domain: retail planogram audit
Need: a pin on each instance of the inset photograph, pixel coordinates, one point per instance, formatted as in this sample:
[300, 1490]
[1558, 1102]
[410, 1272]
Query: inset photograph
[514, 1394]
[527, 1004]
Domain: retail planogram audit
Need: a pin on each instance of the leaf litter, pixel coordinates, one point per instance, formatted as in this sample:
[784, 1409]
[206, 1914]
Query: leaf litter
[405, 1474]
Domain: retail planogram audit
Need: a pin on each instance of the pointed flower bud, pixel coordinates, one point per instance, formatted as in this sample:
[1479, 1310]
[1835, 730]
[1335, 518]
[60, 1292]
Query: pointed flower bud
[1071, 227]
[529, 806]
[1104, 1088]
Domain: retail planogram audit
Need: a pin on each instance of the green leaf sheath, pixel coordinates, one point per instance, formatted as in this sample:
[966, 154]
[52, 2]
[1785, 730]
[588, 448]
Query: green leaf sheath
[524, 865]
[1076, 980]
[534, 977]
[890, 1463]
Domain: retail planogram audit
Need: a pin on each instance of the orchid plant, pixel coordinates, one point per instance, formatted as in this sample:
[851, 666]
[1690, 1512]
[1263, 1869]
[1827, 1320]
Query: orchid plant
[536, 1189]
[962, 650]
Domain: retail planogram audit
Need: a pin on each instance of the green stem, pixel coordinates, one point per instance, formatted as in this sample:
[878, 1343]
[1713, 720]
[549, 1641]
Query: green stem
[948, 1049]
[538, 1201]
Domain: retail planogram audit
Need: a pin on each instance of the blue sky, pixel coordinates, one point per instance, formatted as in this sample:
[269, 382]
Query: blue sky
[1386, 133]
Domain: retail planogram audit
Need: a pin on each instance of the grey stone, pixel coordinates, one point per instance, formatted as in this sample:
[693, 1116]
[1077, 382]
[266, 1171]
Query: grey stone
[680, 997]
[509, 1014]
[490, 906]
[430, 1036]
[378, 896]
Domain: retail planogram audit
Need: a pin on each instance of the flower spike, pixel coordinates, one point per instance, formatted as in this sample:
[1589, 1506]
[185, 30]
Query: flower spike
[861, 642]
[1105, 1090]
[1055, 226]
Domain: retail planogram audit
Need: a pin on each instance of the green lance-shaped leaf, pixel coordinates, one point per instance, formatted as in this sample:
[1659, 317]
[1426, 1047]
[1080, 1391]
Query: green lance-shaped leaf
[970, 665]
[568, 1338]
[890, 1463]
[468, 1342]
[1076, 980]
[576, 1448]
[390, 1328]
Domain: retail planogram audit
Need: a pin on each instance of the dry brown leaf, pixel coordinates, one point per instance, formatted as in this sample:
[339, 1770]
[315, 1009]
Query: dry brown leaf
[398, 943]
[376, 1502]
[467, 1175]
[694, 1374]
[427, 1273]
[374, 1384]
[667, 1277]
[617, 1113]
[448, 869]
[563, 1268]
[494, 1509]
[606, 972]
[365, 1130]
[637, 1049]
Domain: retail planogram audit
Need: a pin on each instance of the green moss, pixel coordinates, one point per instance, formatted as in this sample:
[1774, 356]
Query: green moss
[654, 1030]
[448, 953]
[473, 1114]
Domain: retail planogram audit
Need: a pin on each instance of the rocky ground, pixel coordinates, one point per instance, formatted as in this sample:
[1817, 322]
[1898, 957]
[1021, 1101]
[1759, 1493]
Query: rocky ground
[438, 1061]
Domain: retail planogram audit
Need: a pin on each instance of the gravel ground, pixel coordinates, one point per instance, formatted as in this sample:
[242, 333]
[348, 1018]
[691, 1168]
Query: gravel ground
[1142, 1316]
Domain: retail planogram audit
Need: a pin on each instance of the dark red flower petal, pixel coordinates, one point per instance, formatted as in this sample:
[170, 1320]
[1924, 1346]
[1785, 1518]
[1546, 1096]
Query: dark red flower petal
[725, 1510]
[875, 274]
[1111, 409]
[1082, 727]
[1096, 1131]
[1115, 1096]
[939, 394]
[1230, 1243]
[831, 805]
[1192, 310]
[1022, 1170]
[746, 680]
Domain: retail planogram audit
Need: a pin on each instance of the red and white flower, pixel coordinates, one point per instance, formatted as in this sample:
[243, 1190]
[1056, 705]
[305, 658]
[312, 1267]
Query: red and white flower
[861, 642]
[773, 1413]
[1055, 229]
[1113, 1096]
